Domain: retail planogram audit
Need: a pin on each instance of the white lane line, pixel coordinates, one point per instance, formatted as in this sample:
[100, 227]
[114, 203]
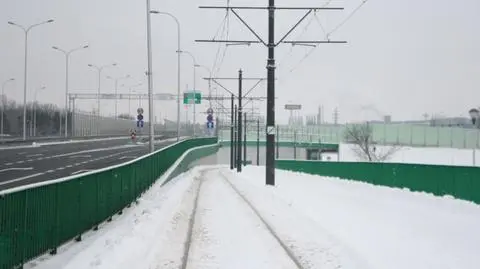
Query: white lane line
[34, 155]
[127, 157]
[22, 153]
[20, 162]
[81, 156]
[50, 171]
[31, 160]
[80, 171]
[20, 179]
[9, 164]
[16, 169]
[69, 166]
[61, 168]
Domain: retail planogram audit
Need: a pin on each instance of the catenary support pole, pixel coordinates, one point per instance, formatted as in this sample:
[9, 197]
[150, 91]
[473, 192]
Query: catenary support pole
[258, 142]
[239, 129]
[235, 135]
[232, 135]
[245, 139]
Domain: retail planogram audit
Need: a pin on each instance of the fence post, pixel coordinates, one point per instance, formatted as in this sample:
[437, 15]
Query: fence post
[278, 142]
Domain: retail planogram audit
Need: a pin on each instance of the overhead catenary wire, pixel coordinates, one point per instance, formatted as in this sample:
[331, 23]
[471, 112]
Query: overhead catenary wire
[327, 35]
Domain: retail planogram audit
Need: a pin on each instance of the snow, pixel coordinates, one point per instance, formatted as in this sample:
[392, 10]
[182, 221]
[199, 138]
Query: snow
[385, 227]
[324, 222]
[426, 155]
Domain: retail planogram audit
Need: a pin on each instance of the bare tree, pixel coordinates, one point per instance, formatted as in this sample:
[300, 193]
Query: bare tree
[361, 136]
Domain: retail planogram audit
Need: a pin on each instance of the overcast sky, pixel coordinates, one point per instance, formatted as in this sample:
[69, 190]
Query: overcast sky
[403, 58]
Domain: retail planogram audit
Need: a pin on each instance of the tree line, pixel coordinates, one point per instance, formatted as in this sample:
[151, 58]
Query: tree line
[42, 119]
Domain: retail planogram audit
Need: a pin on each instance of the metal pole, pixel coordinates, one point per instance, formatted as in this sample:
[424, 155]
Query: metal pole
[245, 139]
[150, 79]
[98, 100]
[239, 132]
[258, 142]
[116, 97]
[295, 144]
[232, 142]
[194, 99]
[66, 93]
[278, 143]
[270, 149]
[179, 51]
[35, 116]
[25, 88]
[235, 136]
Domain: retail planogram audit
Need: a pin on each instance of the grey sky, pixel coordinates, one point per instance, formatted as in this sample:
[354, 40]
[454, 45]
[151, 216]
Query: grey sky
[405, 58]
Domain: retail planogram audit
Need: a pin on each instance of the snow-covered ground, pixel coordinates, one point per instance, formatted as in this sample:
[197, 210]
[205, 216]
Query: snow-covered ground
[314, 221]
[444, 156]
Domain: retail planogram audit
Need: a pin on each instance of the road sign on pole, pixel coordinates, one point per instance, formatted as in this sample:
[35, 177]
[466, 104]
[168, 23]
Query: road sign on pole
[192, 97]
[140, 117]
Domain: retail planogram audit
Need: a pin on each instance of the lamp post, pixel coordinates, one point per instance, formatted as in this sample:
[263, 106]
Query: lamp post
[116, 90]
[209, 81]
[26, 30]
[130, 89]
[150, 79]
[35, 110]
[475, 117]
[67, 61]
[3, 105]
[100, 69]
[194, 89]
[179, 51]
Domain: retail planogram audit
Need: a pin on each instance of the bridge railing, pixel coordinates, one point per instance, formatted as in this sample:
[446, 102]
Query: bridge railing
[38, 218]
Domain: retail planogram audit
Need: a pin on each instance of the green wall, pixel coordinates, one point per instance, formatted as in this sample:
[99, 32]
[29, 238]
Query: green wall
[37, 220]
[458, 181]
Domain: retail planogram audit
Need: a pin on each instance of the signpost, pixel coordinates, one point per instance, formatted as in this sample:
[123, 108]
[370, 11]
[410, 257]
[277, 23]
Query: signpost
[192, 97]
[140, 117]
[210, 124]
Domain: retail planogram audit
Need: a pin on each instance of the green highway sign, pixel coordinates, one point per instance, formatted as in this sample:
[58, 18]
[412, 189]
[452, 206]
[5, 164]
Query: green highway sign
[191, 97]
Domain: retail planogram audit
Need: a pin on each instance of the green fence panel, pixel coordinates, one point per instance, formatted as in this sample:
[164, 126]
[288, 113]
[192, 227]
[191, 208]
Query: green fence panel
[457, 181]
[38, 219]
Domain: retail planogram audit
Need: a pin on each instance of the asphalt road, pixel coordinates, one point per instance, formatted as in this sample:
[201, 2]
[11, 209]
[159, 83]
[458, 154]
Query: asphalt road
[32, 165]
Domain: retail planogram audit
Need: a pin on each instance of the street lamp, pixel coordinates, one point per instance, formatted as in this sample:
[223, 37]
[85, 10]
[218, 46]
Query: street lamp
[209, 81]
[67, 57]
[35, 110]
[116, 90]
[130, 95]
[194, 88]
[26, 31]
[100, 69]
[179, 51]
[3, 104]
[474, 115]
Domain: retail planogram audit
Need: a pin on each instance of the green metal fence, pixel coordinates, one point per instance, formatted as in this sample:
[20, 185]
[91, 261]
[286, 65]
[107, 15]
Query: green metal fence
[387, 134]
[38, 219]
[460, 182]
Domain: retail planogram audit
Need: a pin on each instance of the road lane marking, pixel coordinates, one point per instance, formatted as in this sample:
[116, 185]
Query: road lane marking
[9, 164]
[81, 156]
[22, 153]
[34, 155]
[16, 169]
[69, 166]
[20, 179]
[50, 171]
[81, 171]
[20, 162]
[61, 168]
[127, 157]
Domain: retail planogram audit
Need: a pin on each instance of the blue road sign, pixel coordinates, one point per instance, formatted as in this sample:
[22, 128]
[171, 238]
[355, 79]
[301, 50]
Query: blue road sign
[140, 123]
[209, 118]
[210, 125]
